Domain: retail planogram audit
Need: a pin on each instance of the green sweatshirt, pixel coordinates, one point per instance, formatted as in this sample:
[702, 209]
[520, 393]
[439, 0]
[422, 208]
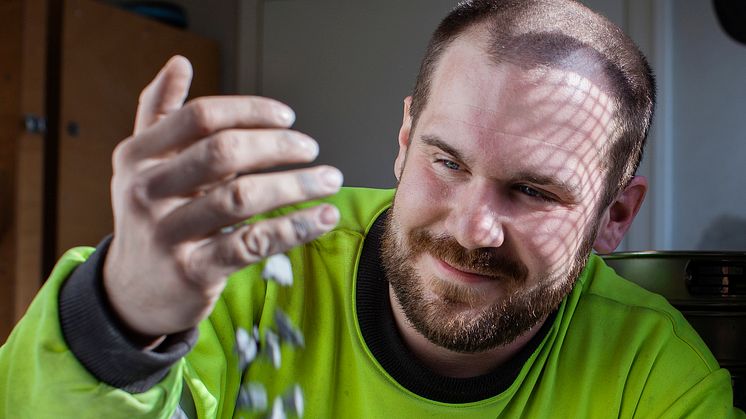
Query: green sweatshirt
[611, 349]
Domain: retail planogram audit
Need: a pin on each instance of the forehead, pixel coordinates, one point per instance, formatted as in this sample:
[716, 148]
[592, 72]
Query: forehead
[553, 108]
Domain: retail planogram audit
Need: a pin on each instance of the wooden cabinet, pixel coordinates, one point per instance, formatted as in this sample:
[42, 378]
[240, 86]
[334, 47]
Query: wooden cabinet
[77, 66]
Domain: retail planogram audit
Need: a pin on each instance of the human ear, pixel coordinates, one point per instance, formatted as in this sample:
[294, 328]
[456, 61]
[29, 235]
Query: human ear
[617, 218]
[404, 131]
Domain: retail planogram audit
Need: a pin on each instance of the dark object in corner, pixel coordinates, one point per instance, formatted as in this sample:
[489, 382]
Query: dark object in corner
[162, 11]
[732, 17]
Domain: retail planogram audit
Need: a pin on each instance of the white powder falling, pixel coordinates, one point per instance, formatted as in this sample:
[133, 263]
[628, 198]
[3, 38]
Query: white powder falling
[277, 268]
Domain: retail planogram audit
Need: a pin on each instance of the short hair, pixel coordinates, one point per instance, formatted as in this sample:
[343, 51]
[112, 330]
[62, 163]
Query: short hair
[543, 33]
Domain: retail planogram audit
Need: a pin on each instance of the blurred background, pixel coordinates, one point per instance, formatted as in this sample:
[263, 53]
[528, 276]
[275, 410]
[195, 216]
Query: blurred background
[71, 71]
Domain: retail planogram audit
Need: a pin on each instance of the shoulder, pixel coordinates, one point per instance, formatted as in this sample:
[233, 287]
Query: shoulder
[644, 322]
[625, 345]
[359, 207]
[647, 352]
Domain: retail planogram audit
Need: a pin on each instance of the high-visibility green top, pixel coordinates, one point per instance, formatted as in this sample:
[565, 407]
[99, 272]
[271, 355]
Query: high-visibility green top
[612, 350]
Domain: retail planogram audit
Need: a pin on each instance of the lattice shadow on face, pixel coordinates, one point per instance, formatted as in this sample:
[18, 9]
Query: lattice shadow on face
[581, 118]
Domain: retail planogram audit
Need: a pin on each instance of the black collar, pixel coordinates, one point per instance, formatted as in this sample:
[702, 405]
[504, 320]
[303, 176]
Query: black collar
[382, 337]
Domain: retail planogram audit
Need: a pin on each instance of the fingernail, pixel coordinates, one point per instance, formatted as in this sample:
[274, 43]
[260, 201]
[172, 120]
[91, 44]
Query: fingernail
[306, 144]
[332, 178]
[329, 215]
[287, 115]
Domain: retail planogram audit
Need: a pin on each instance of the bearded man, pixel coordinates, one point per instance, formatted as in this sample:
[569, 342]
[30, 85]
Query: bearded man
[470, 291]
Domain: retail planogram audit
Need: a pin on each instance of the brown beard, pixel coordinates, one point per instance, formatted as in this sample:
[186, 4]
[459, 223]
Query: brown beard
[454, 320]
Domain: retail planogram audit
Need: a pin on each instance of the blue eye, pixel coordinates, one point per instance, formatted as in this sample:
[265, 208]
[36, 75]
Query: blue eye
[533, 193]
[449, 164]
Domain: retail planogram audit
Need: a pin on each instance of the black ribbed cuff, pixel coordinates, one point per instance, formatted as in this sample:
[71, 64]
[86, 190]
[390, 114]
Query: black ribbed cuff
[98, 340]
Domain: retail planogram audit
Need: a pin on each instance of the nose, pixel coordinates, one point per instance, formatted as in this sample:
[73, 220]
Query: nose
[475, 221]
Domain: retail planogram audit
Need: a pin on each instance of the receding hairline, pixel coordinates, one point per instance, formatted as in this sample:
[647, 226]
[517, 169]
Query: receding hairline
[583, 62]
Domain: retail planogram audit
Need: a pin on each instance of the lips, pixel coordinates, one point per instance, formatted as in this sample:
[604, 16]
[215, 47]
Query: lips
[460, 274]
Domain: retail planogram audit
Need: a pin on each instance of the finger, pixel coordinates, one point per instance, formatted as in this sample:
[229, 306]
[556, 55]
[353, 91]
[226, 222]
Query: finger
[165, 94]
[206, 116]
[227, 253]
[225, 154]
[244, 197]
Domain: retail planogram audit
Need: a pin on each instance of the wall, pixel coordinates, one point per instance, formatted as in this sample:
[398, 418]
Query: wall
[218, 21]
[345, 66]
[709, 96]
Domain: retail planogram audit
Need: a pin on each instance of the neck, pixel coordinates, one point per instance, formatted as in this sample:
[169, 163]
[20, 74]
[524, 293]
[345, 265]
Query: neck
[455, 364]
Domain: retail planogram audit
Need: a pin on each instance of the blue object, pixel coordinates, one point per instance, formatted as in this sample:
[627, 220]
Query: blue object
[164, 12]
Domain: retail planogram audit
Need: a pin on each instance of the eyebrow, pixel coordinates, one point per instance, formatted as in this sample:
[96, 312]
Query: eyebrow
[551, 181]
[435, 141]
[525, 176]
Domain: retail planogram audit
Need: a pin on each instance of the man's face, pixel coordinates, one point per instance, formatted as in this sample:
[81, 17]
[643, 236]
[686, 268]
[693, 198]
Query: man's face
[495, 212]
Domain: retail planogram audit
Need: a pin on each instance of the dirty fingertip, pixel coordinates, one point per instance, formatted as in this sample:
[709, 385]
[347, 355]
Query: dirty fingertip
[329, 215]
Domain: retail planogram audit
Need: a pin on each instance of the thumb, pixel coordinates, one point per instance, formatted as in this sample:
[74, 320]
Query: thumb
[165, 94]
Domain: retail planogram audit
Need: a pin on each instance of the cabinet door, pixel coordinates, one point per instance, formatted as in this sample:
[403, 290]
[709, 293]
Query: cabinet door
[108, 56]
[10, 103]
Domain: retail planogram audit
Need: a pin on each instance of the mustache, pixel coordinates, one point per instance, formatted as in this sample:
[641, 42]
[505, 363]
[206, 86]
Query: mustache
[483, 261]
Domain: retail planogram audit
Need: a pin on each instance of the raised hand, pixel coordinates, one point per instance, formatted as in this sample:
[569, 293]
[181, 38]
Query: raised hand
[187, 173]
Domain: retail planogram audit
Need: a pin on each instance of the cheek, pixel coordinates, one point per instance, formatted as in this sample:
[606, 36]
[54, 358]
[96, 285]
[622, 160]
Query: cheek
[421, 193]
[552, 239]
